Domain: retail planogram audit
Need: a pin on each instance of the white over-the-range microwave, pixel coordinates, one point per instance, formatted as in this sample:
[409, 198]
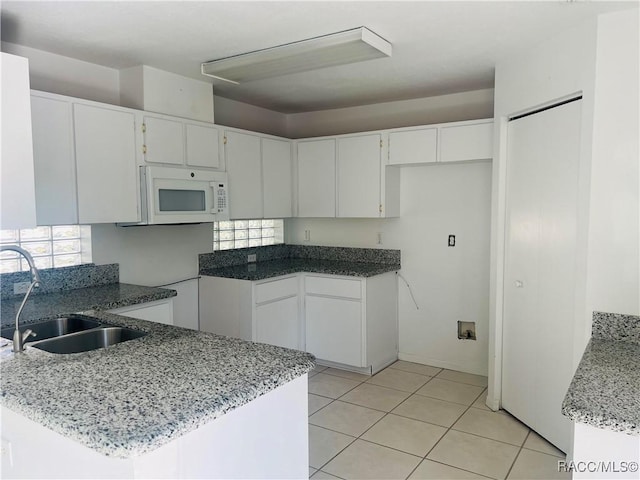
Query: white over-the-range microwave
[176, 195]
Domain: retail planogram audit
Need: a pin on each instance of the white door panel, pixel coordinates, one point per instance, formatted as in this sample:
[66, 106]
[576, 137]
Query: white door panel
[542, 186]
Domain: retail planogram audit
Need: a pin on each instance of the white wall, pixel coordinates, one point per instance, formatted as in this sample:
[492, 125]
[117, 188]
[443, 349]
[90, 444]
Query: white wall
[152, 255]
[551, 70]
[420, 111]
[249, 117]
[67, 76]
[614, 237]
[599, 59]
[449, 284]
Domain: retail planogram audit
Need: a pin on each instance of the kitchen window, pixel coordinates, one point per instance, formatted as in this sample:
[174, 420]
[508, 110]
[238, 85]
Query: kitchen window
[247, 233]
[51, 247]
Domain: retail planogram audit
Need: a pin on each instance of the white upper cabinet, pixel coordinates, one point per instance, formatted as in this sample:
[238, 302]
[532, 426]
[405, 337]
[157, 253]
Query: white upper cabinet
[359, 176]
[413, 146]
[201, 143]
[466, 142]
[447, 142]
[243, 159]
[317, 178]
[163, 140]
[54, 161]
[176, 141]
[105, 147]
[17, 190]
[277, 178]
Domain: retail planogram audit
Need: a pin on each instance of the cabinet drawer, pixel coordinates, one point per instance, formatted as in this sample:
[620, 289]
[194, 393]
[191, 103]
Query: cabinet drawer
[268, 291]
[334, 287]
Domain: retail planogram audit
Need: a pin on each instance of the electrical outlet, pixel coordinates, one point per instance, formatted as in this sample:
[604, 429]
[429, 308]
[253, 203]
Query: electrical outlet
[251, 258]
[452, 241]
[307, 235]
[20, 287]
[379, 238]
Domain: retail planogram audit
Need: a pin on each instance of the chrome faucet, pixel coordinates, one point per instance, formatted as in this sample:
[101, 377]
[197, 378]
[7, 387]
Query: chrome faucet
[20, 338]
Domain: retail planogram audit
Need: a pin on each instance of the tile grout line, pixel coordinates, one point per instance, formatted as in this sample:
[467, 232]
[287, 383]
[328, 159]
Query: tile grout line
[386, 413]
[517, 455]
[346, 446]
[448, 430]
[360, 436]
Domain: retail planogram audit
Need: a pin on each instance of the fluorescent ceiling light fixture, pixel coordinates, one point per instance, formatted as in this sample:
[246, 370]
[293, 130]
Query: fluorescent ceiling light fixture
[350, 46]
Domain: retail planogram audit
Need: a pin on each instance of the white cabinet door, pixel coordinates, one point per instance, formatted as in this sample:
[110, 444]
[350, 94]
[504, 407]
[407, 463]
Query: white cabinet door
[106, 164]
[466, 142]
[413, 146]
[317, 178]
[276, 323]
[54, 161]
[358, 175]
[276, 178]
[160, 311]
[245, 176]
[334, 329]
[17, 191]
[202, 145]
[163, 141]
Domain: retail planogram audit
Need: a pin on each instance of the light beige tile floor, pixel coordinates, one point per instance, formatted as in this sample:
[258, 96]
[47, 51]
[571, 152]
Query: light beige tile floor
[419, 422]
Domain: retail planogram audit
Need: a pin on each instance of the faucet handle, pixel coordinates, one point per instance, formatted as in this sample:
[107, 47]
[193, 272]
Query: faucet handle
[28, 333]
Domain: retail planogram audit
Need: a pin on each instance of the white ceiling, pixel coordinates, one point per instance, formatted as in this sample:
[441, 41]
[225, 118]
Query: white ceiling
[438, 47]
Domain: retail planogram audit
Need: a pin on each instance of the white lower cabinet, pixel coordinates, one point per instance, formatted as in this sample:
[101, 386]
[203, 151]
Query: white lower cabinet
[347, 322]
[276, 313]
[160, 311]
[352, 322]
[334, 329]
[277, 323]
[263, 311]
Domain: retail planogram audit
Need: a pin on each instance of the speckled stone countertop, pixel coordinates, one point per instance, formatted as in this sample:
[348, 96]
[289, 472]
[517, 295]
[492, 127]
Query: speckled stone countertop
[133, 397]
[275, 260]
[285, 266]
[605, 390]
[103, 297]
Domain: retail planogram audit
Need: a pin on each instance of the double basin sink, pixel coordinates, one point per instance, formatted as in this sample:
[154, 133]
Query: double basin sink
[74, 334]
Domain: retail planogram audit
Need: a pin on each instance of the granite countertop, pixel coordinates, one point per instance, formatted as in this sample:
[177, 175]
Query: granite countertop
[605, 390]
[284, 266]
[103, 297]
[133, 397]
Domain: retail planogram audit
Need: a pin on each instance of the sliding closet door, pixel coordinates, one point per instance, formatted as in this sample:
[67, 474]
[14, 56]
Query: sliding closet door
[540, 268]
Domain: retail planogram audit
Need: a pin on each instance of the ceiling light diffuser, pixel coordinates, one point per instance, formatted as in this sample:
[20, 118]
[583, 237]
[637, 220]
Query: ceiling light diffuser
[350, 46]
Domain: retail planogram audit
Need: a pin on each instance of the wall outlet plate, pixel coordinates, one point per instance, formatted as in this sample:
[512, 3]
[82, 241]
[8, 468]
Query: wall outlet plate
[251, 258]
[20, 287]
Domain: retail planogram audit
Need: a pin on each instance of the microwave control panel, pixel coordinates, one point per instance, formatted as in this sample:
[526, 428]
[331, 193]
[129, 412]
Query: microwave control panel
[221, 198]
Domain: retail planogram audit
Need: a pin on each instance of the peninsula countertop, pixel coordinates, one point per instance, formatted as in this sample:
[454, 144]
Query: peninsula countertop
[605, 390]
[133, 397]
[102, 297]
[285, 266]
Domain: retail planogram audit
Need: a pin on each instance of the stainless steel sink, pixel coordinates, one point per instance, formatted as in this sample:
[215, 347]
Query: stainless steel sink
[88, 340]
[55, 327]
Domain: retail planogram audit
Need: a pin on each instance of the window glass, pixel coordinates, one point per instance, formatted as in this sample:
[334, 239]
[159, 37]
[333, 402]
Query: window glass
[247, 233]
[50, 247]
